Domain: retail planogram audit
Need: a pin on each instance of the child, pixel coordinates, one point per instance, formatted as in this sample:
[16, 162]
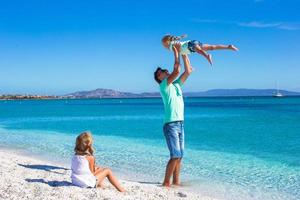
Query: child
[84, 171]
[191, 46]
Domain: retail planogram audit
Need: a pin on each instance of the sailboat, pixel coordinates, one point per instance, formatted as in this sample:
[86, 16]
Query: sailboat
[277, 94]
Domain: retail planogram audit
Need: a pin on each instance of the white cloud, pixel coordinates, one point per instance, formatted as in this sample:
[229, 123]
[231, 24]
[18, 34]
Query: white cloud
[290, 26]
[258, 24]
[278, 25]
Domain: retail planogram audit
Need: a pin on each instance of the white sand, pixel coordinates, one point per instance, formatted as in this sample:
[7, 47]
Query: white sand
[24, 177]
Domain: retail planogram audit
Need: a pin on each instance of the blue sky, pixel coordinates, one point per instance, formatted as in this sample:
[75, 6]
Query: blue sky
[57, 47]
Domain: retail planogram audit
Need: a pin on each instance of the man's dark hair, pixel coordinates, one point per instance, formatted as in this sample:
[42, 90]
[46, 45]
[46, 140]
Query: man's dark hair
[155, 74]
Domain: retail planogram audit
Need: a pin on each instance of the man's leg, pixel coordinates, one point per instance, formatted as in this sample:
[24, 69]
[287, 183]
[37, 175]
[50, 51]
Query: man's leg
[171, 132]
[172, 164]
[176, 174]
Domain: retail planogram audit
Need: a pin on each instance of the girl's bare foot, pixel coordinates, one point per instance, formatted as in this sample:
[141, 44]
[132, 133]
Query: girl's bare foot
[232, 47]
[100, 185]
[209, 58]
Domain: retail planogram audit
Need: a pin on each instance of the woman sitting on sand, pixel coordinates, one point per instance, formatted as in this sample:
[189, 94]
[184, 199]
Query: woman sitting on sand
[84, 171]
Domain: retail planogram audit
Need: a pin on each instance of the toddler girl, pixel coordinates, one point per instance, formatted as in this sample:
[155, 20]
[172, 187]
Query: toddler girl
[191, 46]
[84, 171]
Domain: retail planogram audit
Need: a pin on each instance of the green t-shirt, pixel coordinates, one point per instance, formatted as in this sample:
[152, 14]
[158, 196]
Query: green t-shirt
[173, 100]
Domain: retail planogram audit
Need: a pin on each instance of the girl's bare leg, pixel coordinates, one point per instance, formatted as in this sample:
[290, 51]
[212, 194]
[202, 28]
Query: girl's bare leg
[100, 175]
[100, 184]
[201, 51]
[97, 170]
[208, 47]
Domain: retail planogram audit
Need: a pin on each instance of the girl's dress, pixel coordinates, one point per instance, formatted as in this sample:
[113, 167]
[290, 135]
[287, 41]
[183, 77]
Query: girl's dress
[81, 173]
[187, 47]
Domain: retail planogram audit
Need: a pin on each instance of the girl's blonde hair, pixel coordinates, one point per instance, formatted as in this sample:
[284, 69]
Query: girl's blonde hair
[84, 144]
[171, 38]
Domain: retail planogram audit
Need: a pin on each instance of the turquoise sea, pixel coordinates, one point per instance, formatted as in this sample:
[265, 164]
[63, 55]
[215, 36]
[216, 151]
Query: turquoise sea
[236, 148]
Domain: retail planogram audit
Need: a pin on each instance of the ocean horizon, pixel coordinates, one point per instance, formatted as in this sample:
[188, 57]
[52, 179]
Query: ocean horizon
[100, 93]
[236, 147]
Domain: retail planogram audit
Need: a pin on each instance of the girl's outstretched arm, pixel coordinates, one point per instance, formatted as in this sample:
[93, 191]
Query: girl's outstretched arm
[183, 36]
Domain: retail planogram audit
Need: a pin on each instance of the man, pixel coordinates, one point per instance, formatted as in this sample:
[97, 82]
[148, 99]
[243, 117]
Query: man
[170, 90]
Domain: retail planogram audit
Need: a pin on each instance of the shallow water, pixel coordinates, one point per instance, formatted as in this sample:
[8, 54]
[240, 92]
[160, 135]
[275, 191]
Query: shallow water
[236, 148]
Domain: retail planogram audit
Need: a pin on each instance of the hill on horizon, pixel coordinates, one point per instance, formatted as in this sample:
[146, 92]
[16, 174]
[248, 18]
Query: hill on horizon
[109, 93]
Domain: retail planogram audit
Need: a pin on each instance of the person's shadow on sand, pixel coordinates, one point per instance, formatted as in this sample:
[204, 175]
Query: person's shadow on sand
[50, 183]
[48, 168]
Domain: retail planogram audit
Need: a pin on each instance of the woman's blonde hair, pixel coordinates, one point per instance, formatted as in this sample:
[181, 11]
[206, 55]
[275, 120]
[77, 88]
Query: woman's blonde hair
[84, 144]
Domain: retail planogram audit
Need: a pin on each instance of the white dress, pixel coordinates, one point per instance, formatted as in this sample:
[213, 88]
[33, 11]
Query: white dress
[81, 173]
[184, 47]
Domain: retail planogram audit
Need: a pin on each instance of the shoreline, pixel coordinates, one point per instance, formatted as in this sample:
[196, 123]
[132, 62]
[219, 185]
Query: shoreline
[27, 177]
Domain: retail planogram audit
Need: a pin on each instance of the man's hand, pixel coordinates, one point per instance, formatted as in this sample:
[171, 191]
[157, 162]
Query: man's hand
[177, 47]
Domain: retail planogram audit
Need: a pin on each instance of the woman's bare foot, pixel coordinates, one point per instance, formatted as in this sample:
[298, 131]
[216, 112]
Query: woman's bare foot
[232, 47]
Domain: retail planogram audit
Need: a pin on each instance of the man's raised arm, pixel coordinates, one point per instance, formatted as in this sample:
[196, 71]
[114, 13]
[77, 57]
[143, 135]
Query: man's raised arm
[187, 68]
[176, 70]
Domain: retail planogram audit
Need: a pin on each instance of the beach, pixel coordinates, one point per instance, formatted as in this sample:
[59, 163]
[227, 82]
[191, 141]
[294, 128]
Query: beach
[24, 177]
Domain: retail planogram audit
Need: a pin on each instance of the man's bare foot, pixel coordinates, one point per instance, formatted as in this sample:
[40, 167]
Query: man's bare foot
[176, 184]
[232, 47]
[166, 185]
[209, 58]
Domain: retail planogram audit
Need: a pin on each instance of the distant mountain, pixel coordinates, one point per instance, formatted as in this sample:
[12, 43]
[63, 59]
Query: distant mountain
[101, 93]
[108, 93]
[240, 92]
[150, 94]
